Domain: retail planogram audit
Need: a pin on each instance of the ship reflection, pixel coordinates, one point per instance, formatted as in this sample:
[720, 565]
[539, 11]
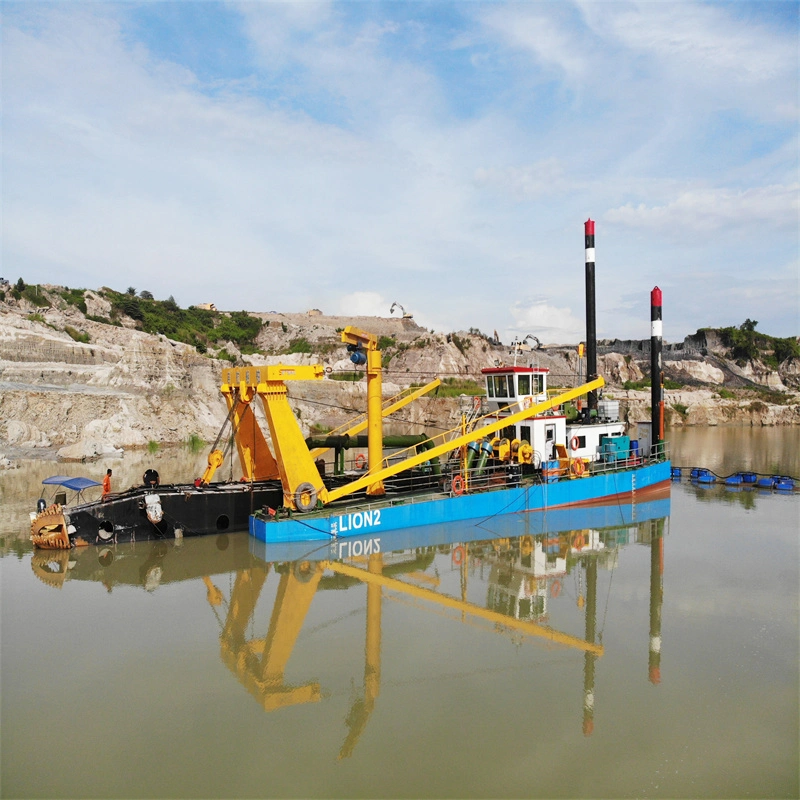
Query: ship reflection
[525, 567]
[523, 575]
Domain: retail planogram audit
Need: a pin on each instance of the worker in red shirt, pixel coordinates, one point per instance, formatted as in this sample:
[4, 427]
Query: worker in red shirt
[107, 484]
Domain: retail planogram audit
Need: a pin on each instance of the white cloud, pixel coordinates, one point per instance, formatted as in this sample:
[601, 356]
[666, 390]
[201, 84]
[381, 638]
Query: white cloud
[707, 42]
[551, 325]
[543, 178]
[545, 31]
[364, 304]
[357, 160]
[710, 210]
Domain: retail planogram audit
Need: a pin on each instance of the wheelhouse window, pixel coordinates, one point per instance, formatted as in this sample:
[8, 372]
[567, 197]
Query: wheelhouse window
[489, 386]
[524, 384]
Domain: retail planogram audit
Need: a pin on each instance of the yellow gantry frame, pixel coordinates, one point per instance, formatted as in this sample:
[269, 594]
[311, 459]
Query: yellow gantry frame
[368, 343]
[294, 463]
[296, 467]
[255, 457]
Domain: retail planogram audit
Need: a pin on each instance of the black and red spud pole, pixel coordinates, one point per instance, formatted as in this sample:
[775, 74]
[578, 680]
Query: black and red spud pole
[656, 371]
[591, 325]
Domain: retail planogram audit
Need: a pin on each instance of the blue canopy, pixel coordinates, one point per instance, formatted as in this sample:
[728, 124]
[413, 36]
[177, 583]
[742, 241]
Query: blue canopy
[76, 484]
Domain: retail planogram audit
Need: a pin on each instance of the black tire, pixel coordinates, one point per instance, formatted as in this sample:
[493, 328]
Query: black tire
[305, 497]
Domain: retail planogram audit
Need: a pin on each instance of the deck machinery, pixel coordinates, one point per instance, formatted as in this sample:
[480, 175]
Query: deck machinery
[293, 461]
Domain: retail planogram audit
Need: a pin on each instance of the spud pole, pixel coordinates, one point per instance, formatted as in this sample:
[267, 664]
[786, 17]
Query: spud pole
[656, 371]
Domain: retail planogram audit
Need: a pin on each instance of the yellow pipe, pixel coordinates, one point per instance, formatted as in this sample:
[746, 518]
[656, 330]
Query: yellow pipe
[530, 628]
[478, 433]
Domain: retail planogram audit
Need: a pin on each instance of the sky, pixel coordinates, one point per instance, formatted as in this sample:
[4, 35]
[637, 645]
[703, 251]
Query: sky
[443, 156]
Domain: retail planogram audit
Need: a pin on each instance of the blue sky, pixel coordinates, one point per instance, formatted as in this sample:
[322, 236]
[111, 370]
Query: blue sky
[345, 156]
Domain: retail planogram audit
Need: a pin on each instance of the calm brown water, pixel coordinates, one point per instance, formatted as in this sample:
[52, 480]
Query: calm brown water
[651, 653]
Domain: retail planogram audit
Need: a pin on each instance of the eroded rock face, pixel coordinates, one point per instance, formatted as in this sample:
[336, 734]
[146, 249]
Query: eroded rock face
[705, 407]
[618, 369]
[789, 373]
[697, 371]
[125, 388]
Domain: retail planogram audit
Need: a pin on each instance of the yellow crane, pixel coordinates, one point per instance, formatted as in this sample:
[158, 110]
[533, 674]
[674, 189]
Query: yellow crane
[293, 462]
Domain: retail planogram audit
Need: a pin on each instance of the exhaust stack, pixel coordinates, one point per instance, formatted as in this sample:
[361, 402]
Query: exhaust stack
[591, 327]
[656, 371]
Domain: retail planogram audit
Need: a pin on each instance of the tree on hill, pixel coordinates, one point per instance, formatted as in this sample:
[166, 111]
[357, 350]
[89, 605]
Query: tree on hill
[747, 344]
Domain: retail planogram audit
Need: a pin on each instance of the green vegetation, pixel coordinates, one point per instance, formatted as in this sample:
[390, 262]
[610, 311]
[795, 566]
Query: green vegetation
[392, 350]
[33, 295]
[34, 317]
[645, 384]
[747, 344]
[78, 336]
[239, 327]
[453, 387]
[384, 342]
[326, 348]
[462, 344]
[479, 332]
[784, 349]
[152, 447]
[726, 394]
[104, 320]
[346, 376]
[75, 297]
[773, 397]
[195, 443]
[300, 345]
[681, 408]
[198, 327]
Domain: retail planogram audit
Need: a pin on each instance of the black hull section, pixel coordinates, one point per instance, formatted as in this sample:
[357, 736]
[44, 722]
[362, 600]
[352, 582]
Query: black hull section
[185, 510]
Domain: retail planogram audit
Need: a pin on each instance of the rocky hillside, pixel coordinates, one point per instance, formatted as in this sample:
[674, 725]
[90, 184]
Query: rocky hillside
[81, 376]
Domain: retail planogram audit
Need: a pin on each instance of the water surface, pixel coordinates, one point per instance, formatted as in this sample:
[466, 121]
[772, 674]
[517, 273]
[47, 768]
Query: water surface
[647, 651]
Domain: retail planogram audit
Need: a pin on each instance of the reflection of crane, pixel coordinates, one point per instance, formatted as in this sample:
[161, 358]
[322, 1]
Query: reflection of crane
[402, 310]
[260, 663]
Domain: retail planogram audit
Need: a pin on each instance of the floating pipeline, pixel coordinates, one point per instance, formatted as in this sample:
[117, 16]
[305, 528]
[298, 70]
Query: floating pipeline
[736, 480]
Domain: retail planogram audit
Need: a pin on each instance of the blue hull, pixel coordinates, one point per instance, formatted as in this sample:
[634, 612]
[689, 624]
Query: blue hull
[552, 522]
[368, 518]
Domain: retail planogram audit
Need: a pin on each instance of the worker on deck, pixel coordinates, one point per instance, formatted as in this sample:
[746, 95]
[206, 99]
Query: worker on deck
[107, 484]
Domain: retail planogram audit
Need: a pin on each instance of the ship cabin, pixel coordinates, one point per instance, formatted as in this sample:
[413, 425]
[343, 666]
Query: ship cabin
[511, 388]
